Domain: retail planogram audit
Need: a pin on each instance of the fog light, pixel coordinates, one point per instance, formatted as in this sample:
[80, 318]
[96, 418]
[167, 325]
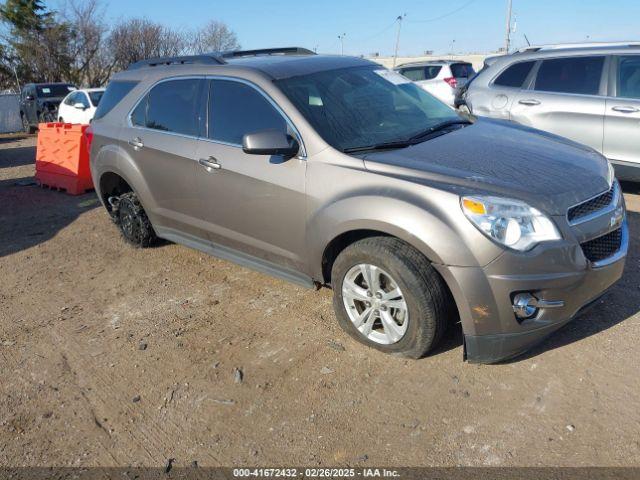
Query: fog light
[525, 305]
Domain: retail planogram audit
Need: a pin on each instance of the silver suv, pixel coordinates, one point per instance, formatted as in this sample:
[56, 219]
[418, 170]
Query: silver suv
[587, 93]
[333, 171]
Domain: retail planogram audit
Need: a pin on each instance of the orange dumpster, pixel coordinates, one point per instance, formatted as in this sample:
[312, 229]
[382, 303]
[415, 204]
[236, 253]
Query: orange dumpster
[62, 158]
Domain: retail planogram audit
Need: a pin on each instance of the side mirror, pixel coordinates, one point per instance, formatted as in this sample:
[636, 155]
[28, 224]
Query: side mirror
[79, 106]
[270, 142]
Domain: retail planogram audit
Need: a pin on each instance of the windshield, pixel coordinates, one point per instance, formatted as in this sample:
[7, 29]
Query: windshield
[55, 90]
[360, 106]
[95, 97]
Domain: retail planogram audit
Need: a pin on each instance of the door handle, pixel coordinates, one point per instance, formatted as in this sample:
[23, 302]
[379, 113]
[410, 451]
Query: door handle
[136, 143]
[210, 163]
[624, 109]
[530, 102]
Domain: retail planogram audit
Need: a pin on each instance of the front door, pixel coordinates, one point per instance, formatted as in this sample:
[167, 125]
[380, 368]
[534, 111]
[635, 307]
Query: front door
[254, 204]
[622, 119]
[565, 99]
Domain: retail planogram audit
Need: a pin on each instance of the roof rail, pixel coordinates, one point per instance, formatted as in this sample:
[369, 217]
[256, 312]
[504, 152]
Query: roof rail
[208, 59]
[267, 51]
[558, 46]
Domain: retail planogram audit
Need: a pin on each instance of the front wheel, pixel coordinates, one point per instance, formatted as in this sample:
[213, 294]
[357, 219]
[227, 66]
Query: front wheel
[387, 295]
[26, 126]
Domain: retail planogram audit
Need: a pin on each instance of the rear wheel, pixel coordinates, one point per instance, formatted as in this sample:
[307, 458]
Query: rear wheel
[133, 221]
[389, 297]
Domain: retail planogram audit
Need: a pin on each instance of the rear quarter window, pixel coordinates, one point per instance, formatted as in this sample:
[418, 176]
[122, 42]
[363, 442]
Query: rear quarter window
[515, 75]
[115, 92]
[462, 70]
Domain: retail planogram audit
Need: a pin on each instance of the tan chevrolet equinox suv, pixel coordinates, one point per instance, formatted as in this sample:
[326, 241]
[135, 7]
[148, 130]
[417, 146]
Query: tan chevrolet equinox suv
[334, 171]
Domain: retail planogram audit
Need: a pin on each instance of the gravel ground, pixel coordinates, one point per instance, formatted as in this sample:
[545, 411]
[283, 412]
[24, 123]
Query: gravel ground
[114, 356]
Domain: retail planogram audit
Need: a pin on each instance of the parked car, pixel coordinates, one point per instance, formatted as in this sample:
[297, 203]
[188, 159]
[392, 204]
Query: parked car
[80, 106]
[331, 170]
[590, 94]
[441, 78]
[39, 103]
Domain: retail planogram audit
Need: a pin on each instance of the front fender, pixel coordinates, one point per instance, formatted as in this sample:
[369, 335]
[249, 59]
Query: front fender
[430, 231]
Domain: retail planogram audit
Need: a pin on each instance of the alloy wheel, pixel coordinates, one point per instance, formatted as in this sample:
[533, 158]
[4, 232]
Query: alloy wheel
[375, 304]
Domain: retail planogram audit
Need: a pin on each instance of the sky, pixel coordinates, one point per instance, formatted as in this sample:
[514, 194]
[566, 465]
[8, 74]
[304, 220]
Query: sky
[445, 26]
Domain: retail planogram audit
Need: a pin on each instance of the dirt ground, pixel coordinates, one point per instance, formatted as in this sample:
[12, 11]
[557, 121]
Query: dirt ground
[114, 356]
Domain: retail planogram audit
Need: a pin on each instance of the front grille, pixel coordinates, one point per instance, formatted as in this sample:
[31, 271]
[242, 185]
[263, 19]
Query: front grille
[593, 205]
[602, 247]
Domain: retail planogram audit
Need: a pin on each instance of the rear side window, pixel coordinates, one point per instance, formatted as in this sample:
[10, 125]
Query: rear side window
[515, 75]
[415, 74]
[580, 75]
[115, 92]
[462, 70]
[173, 106]
[237, 109]
[628, 85]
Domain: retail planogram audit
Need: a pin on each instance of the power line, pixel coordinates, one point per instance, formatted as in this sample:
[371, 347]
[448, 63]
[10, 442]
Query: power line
[453, 12]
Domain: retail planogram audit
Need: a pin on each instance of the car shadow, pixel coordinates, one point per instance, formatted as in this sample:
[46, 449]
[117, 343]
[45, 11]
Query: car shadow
[17, 157]
[31, 215]
[618, 304]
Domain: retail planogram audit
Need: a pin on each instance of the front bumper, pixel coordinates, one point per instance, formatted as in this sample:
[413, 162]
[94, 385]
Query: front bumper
[560, 272]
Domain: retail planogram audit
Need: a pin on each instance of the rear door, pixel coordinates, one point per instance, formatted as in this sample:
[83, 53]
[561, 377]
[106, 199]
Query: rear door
[162, 140]
[622, 119]
[566, 98]
[255, 204]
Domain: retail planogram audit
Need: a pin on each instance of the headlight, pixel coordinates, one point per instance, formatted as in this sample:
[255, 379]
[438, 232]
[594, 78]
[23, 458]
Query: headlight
[612, 173]
[510, 222]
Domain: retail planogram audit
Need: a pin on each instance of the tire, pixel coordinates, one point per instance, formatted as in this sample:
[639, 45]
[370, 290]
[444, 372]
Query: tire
[26, 127]
[133, 221]
[426, 300]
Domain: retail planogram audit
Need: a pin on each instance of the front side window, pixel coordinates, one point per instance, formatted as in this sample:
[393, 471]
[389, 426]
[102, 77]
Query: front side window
[628, 82]
[82, 98]
[515, 75]
[579, 75]
[71, 99]
[360, 106]
[236, 109]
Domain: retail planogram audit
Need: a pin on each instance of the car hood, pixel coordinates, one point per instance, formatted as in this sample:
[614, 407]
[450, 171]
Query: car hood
[494, 157]
[51, 100]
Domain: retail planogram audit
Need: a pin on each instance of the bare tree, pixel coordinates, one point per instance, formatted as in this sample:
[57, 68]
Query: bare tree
[91, 65]
[215, 36]
[137, 39]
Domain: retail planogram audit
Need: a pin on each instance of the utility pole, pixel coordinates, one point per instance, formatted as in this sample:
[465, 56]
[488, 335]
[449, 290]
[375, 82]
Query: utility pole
[399, 19]
[507, 40]
[341, 37]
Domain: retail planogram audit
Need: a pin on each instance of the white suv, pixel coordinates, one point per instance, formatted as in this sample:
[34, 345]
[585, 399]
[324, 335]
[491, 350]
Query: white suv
[441, 78]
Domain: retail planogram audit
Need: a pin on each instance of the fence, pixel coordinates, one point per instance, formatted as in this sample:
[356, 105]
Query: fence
[10, 113]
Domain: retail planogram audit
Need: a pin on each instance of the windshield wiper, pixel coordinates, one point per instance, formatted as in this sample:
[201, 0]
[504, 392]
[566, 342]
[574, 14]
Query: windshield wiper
[440, 127]
[380, 146]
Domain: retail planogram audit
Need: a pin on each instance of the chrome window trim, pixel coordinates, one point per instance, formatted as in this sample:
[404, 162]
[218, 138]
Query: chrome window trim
[301, 156]
[603, 211]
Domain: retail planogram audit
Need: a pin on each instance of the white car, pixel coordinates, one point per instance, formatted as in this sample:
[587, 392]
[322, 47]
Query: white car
[80, 105]
[441, 78]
